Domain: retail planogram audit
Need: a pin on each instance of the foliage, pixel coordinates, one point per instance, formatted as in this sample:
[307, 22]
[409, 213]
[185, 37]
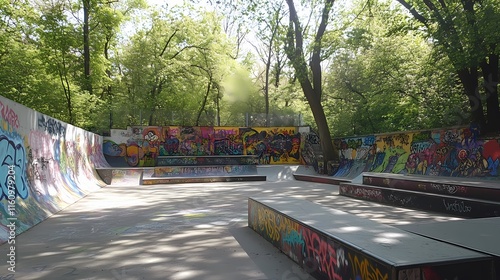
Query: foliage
[384, 78]
[376, 68]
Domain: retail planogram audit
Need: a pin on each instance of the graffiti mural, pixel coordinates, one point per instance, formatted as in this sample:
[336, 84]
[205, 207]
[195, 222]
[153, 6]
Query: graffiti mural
[319, 254]
[227, 141]
[272, 145]
[310, 147]
[330, 252]
[45, 165]
[456, 152]
[149, 145]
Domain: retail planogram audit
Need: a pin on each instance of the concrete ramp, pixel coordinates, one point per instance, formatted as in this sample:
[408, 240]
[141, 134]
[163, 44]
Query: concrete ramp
[46, 165]
[276, 173]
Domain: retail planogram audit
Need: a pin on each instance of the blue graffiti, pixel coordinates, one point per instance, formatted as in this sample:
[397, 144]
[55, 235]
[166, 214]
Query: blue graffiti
[52, 126]
[369, 140]
[493, 166]
[110, 148]
[294, 238]
[12, 166]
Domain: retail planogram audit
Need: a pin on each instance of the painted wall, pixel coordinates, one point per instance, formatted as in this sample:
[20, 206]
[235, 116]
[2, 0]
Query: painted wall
[455, 152]
[326, 257]
[319, 255]
[46, 165]
[141, 146]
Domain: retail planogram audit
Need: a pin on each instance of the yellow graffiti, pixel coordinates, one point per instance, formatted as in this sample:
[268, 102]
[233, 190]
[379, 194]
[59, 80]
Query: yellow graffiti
[366, 270]
[275, 224]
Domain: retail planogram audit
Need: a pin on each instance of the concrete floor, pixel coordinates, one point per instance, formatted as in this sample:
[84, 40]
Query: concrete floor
[184, 231]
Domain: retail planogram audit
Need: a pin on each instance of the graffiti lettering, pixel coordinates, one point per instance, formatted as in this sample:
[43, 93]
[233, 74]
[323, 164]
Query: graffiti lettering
[402, 138]
[419, 147]
[449, 188]
[52, 126]
[312, 138]
[13, 161]
[9, 115]
[368, 193]
[363, 269]
[322, 252]
[457, 206]
[400, 200]
[294, 238]
[276, 225]
[267, 222]
[369, 140]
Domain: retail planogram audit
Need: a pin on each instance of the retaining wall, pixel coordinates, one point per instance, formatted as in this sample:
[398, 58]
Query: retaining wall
[454, 152]
[139, 146]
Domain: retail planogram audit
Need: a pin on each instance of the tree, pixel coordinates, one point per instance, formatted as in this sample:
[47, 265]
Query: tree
[270, 29]
[176, 66]
[310, 78]
[384, 77]
[463, 30]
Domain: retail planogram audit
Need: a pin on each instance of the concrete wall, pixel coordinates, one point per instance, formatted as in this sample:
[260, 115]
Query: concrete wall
[141, 146]
[454, 152]
[45, 165]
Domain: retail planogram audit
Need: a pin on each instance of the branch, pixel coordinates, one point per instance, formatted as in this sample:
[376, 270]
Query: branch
[412, 10]
[188, 47]
[168, 42]
[316, 55]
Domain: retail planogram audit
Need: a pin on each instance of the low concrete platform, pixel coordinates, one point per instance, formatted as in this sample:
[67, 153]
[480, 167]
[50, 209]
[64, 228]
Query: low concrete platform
[178, 231]
[476, 234]
[331, 244]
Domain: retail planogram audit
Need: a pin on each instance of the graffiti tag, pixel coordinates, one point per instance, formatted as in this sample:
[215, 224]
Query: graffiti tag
[52, 126]
[13, 161]
[9, 115]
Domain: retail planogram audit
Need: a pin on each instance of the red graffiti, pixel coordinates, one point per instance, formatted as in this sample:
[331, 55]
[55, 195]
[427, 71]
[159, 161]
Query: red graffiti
[491, 150]
[321, 252]
[9, 115]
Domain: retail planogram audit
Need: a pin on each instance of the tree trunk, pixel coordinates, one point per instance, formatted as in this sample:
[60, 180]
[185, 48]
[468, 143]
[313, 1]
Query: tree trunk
[469, 80]
[490, 76]
[204, 103]
[312, 90]
[86, 47]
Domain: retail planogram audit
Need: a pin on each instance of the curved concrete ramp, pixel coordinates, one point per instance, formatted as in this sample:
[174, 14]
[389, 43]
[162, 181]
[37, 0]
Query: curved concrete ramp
[46, 165]
[276, 173]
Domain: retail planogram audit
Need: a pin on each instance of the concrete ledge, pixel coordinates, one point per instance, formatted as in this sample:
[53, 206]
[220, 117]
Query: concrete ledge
[332, 244]
[207, 160]
[319, 179]
[468, 188]
[209, 179]
[452, 205]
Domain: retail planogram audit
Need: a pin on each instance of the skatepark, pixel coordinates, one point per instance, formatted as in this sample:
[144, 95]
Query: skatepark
[68, 214]
[180, 231]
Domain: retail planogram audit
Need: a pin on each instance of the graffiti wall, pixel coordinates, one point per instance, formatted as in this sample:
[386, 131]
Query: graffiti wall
[46, 165]
[456, 152]
[141, 146]
[326, 256]
[319, 255]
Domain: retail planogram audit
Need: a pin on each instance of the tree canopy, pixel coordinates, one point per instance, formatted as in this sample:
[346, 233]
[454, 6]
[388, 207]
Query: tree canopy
[345, 67]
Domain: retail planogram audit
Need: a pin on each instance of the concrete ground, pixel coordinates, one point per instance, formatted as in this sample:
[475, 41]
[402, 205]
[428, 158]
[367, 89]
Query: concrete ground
[183, 231]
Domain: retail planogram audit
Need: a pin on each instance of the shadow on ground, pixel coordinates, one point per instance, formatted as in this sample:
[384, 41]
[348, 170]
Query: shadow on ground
[188, 231]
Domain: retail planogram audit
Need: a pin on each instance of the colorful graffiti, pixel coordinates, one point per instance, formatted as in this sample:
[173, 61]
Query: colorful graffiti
[335, 255]
[454, 153]
[221, 170]
[45, 165]
[319, 254]
[143, 146]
